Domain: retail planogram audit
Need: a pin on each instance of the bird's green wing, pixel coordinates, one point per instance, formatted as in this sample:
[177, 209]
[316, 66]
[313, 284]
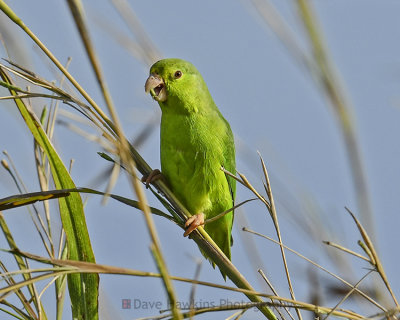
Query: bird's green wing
[230, 165]
[229, 162]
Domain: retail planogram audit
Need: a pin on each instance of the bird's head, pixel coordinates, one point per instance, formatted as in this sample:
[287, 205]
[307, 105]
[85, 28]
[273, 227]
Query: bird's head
[174, 80]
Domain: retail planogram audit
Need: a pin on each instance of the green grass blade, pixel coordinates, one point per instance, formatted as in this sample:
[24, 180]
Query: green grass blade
[83, 289]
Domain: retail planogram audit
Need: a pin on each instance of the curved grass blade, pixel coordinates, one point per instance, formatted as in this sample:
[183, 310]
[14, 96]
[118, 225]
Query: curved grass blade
[18, 200]
[29, 198]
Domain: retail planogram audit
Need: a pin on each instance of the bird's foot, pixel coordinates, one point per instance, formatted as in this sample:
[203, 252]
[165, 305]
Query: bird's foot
[193, 222]
[153, 176]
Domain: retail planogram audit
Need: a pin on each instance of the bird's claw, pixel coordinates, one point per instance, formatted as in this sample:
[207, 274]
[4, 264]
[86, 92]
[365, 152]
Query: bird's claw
[193, 222]
[153, 176]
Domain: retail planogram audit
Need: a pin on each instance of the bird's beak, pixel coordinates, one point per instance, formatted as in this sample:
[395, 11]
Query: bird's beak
[156, 86]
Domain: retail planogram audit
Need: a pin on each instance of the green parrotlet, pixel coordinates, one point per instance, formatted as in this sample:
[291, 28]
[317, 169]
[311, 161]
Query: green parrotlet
[196, 141]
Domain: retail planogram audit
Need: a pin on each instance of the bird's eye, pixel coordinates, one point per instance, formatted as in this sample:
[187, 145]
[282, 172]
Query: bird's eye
[178, 74]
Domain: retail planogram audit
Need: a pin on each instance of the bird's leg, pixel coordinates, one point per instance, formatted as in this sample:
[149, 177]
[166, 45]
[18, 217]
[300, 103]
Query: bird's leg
[153, 176]
[193, 222]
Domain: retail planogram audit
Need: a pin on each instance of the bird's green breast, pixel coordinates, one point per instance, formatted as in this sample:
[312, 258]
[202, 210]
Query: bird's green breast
[191, 157]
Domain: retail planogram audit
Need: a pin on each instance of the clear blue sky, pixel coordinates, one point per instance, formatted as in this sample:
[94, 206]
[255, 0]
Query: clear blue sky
[273, 107]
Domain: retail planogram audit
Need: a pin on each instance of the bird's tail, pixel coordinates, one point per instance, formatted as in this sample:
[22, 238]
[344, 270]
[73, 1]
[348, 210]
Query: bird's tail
[222, 239]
